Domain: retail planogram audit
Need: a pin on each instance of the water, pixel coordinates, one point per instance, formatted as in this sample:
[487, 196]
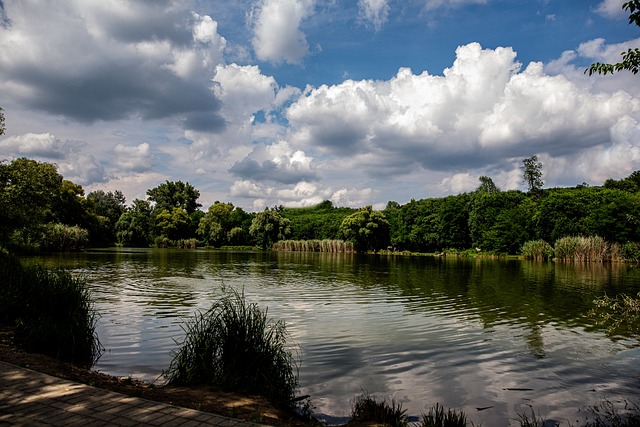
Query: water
[507, 336]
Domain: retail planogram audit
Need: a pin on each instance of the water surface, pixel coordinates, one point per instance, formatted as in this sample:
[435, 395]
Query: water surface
[504, 335]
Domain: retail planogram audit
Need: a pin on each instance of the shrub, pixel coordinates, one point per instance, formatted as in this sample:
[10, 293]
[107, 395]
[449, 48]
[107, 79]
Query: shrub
[631, 251]
[367, 409]
[437, 417]
[620, 313]
[235, 346]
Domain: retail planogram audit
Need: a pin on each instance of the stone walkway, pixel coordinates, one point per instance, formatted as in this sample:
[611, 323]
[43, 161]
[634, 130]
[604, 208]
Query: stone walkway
[29, 398]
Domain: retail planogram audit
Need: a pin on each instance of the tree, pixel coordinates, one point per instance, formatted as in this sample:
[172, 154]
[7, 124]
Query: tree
[2, 127]
[532, 173]
[487, 185]
[175, 195]
[366, 229]
[132, 228]
[269, 227]
[172, 223]
[630, 58]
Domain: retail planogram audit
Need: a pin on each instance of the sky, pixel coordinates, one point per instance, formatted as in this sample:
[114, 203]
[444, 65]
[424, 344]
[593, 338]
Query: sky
[292, 102]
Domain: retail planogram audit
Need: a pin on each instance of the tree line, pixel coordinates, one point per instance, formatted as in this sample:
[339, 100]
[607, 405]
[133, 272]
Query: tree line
[40, 210]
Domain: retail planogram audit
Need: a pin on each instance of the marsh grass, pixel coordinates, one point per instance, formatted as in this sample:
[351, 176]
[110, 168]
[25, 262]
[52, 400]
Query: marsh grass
[326, 245]
[234, 345]
[538, 250]
[437, 417]
[586, 249]
[51, 310]
[606, 414]
[367, 409]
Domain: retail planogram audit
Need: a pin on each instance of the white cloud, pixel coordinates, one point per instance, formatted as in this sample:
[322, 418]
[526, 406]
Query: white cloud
[611, 9]
[277, 36]
[244, 90]
[134, 158]
[483, 112]
[375, 12]
[43, 145]
[435, 4]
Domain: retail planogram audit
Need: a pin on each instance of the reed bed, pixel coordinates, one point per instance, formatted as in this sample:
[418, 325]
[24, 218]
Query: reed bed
[51, 310]
[586, 249]
[367, 409]
[437, 417]
[326, 245]
[538, 250]
[235, 346]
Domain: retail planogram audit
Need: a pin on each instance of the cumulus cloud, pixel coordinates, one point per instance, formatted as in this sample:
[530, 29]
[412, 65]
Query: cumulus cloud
[483, 111]
[134, 158]
[375, 12]
[43, 145]
[277, 36]
[276, 162]
[155, 60]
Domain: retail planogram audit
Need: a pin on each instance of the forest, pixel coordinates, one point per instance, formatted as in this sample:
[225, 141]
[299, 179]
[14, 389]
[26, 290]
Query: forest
[41, 211]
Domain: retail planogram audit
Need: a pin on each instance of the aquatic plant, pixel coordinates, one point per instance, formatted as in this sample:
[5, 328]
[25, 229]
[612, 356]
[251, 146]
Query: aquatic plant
[537, 250]
[368, 409]
[326, 245]
[235, 346]
[52, 312]
[437, 417]
[586, 249]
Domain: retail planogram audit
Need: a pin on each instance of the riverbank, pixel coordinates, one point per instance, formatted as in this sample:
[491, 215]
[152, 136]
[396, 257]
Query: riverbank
[248, 408]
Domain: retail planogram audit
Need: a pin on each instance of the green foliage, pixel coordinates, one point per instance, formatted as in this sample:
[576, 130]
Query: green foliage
[487, 185]
[223, 224]
[52, 311]
[437, 417]
[366, 229]
[537, 249]
[620, 314]
[172, 223]
[631, 251]
[268, 227]
[532, 174]
[366, 409]
[317, 222]
[133, 226]
[630, 58]
[174, 194]
[234, 345]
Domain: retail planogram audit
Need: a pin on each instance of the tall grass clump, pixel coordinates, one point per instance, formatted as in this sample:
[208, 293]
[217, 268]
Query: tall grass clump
[437, 417]
[235, 346]
[537, 249]
[586, 249]
[367, 409]
[51, 310]
[326, 245]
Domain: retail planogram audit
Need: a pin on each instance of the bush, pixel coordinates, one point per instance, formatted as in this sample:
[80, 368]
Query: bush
[631, 252]
[235, 346]
[367, 409]
[51, 310]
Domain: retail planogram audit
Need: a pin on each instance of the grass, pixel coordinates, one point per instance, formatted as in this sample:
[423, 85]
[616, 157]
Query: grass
[586, 249]
[537, 249]
[326, 245]
[235, 346]
[367, 409]
[51, 311]
[437, 417]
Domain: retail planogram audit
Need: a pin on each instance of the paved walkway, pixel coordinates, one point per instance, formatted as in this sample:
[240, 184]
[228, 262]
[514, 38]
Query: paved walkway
[29, 398]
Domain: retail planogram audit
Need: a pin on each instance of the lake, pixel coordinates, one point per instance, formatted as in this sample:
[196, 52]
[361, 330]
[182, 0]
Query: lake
[504, 336]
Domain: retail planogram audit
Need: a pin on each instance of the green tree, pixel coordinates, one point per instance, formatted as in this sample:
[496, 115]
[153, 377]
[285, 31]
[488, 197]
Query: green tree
[366, 229]
[133, 226]
[175, 195]
[630, 58]
[532, 174]
[487, 185]
[268, 227]
[2, 126]
[108, 207]
[172, 223]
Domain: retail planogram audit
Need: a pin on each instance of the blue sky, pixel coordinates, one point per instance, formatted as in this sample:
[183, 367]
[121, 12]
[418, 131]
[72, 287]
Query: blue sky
[269, 102]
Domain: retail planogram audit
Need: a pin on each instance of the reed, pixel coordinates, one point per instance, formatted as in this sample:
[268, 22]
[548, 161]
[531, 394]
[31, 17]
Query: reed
[586, 249]
[367, 409]
[326, 245]
[437, 417]
[537, 249]
[51, 310]
[235, 346]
